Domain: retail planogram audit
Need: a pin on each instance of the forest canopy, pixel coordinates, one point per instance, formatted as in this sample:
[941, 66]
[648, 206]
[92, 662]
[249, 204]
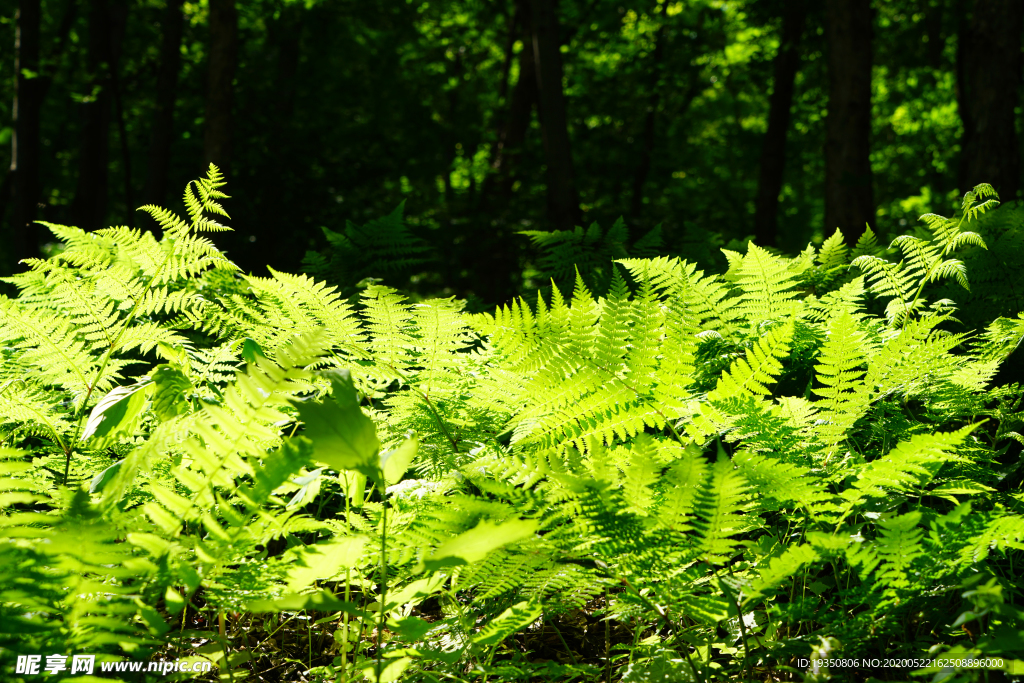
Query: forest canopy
[716, 120]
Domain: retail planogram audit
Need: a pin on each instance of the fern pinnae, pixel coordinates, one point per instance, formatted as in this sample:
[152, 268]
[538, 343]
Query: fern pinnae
[844, 397]
[718, 511]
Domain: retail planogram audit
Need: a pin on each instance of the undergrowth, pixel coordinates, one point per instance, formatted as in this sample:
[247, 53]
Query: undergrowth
[799, 469]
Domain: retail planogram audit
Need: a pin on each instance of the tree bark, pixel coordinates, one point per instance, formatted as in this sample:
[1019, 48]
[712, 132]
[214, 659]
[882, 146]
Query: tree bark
[25, 144]
[849, 199]
[106, 30]
[989, 69]
[7, 194]
[498, 247]
[563, 202]
[162, 135]
[773, 148]
[505, 154]
[220, 83]
[643, 168]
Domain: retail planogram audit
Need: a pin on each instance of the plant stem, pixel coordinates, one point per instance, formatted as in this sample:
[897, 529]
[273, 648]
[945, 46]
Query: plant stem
[383, 580]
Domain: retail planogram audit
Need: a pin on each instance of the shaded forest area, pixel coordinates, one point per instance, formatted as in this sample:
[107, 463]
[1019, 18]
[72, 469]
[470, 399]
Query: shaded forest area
[718, 120]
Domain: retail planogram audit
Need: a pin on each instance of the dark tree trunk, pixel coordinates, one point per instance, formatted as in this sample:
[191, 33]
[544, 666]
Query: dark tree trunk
[289, 42]
[643, 168]
[773, 148]
[849, 200]
[67, 22]
[497, 188]
[24, 243]
[563, 202]
[121, 19]
[106, 29]
[162, 135]
[988, 69]
[25, 147]
[220, 79]
[497, 247]
[506, 63]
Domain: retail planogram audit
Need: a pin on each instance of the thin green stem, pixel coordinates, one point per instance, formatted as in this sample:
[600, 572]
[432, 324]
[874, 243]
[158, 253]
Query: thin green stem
[383, 582]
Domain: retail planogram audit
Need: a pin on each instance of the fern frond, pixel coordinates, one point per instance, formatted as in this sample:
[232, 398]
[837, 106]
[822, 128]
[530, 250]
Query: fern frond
[718, 507]
[844, 396]
[768, 286]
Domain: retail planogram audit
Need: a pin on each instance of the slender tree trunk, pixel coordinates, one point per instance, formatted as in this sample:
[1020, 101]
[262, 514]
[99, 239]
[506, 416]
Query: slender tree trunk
[120, 18]
[849, 200]
[162, 135]
[25, 146]
[643, 168]
[773, 148]
[106, 30]
[67, 22]
[220, 83]
[497, 246]
[989, 70]
[43, 82]
[505, 154]
[934, 12]
[510, 42]
[563, 202]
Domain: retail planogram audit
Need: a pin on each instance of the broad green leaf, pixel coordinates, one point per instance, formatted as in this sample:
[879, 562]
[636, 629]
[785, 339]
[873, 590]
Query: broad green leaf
[416, 591]
[325, 560]
[321, 601]
[666, 666]
[251, 350]
[116, 412]
[101, 479]
[343, 436]
[395, 462]
[475, 544]
[391, 669]
[410, 629]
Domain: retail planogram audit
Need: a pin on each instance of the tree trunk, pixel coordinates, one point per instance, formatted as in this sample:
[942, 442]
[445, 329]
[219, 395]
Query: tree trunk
[989, 63]
[643, 168]
[498, 185]
[220, 79]
[106, 30]
[25, 147]
[849, 200]
[773, 148]
[7, 193]
[563, 202]
[162, 136]
[497, 247]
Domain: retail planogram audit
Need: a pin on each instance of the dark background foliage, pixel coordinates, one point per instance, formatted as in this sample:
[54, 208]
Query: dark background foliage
[718, 119]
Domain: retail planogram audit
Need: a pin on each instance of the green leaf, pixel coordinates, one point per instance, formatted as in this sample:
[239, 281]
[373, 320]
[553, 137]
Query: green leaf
[343, 436]
[170, 392]
[390, 671]
[410, 629]
[101, 479]
[667, 665]
[395, 462]
[251, 351]
[475, 544]
[325, 560]
[321, 601]
[515, 618]
[115, 413]
[174, 600]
